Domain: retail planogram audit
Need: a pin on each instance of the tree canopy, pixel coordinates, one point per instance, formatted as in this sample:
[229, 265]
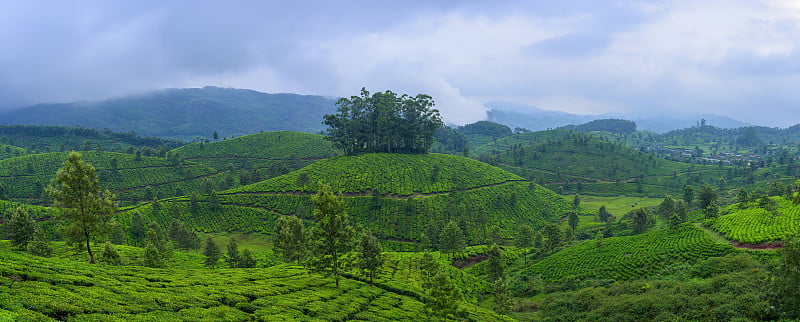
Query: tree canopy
[76, 190]
[383, 122]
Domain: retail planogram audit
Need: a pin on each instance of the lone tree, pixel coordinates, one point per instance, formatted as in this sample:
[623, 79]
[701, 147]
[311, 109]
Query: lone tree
[332, 237]
[787, 277]
[21, 227]
[76, 191]
[290, 238]
[383, 122]
[211, 252]
[370, 258]
[451, 239]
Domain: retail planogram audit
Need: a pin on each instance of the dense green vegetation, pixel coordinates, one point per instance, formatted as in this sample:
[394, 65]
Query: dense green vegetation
[572, 162]
[49, 138]
[416, 193]
[383, 122]
[604, 125]
[751, 223]
[60, 288]
[9, 151]
[129, 177]
[629, 256]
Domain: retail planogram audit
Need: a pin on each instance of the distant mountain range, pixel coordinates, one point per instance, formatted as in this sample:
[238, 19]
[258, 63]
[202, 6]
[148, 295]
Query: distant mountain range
[185, 113]
[190, 113]
[536, 119]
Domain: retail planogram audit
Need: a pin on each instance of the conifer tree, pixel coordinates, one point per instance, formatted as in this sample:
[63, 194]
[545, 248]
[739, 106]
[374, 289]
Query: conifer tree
[573, 220]
[444, 296]
[39, 245]
[290, 239]
[370, 258]
[524, 240]
[138, 229]
[496, 266]
[76, 191]
[233, 255]
[247, 260]
[451, 239]
[110, 255]
[332, 237]
[211, 252]
[21, 227]
[787, 279]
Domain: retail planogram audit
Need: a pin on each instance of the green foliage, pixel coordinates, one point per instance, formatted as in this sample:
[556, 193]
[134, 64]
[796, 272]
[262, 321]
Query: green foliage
[759, 225]
[47, 138]
[264, 152]
[290, 238]
[211, 252]
[706, 196]
[605, 125]
[76, 191]
[383, 122]
[39, 245]
[21, 227]
[26, 177]
[332, 236]
[59, 288]
[445, 296]
[787, 278]
[111, 256]
[233, 256]
[630, 256]
[496, 265]
[370, 257]
[451, 239]
[246, 260]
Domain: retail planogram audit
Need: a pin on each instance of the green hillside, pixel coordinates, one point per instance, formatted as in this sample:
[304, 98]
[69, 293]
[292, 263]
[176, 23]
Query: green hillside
[756, 224]
[50, 138]
[396, 196]
[10, 151]
[267, 151]
[630, 256]
[62, 288]
[573, 162]
[129, 177]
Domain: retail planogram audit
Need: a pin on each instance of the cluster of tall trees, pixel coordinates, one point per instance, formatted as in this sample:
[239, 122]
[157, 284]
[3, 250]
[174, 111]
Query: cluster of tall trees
[383, 122]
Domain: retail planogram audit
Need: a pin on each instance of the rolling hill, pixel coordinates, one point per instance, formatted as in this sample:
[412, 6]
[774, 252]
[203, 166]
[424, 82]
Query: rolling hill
[129, 177]
[272, 153]
[48, 138]
[396, 196]
[573, 162]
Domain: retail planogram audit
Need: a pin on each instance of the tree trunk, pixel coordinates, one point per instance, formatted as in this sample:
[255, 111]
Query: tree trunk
[89, 248]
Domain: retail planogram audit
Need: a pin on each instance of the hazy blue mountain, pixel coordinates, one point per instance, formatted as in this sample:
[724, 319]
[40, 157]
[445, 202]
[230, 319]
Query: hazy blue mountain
[185, 113]
[537, 119]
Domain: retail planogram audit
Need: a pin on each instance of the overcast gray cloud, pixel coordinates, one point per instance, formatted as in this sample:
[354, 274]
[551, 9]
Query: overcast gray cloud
[735, 58]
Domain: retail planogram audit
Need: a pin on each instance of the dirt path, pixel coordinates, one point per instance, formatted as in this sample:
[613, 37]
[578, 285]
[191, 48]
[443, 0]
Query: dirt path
[721, 239]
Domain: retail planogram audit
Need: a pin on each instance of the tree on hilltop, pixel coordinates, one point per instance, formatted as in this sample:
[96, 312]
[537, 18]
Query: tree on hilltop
[383, 122]
[76, 191]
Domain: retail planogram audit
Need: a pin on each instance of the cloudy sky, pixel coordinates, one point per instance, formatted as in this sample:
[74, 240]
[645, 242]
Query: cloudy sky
[728, 57]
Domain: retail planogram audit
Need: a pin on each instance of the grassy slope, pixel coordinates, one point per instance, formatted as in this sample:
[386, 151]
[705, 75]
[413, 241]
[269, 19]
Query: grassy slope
[261, 150]
[630, 256]
[757, 225]
[10, 151]
[67, 288]
[586, 164]
[46, 138]
[396, 196]
[26, 177]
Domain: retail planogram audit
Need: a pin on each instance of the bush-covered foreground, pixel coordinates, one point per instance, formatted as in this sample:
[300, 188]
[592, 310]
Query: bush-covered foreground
[44, 289]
